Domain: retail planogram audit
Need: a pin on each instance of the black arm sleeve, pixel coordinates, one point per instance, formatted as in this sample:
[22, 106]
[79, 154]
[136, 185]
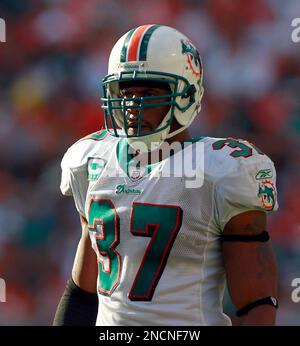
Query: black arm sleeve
[76, 307]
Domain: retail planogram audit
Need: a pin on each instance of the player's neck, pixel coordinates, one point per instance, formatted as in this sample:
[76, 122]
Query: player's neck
[160, 154]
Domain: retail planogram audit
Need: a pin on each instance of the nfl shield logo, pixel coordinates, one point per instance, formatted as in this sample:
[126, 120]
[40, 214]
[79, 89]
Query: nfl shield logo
[135, 175]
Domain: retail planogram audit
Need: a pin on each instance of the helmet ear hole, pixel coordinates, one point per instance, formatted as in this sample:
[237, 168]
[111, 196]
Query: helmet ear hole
[190, 93]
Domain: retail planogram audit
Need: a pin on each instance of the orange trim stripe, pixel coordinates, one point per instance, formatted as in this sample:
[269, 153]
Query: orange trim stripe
[135, 42]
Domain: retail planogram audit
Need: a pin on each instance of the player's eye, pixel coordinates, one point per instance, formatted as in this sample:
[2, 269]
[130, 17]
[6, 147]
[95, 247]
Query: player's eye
[126, 93]
[150, 92]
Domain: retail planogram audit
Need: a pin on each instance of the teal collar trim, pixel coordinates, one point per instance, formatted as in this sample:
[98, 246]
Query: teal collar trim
[126, 160]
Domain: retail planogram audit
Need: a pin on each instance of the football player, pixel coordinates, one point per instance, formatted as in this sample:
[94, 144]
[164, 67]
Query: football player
[154, 249]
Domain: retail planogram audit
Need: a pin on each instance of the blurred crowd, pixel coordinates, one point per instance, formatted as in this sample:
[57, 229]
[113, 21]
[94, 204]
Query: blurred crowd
[50, 72]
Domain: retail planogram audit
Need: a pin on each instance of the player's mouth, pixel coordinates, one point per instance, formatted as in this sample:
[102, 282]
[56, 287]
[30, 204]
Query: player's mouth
[133, 128]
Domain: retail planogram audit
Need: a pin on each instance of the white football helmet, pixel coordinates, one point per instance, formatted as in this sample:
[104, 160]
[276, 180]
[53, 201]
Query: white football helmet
[153, 53]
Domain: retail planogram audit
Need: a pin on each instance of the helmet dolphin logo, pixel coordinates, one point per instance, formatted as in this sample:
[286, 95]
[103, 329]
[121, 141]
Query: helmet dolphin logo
[191, 51]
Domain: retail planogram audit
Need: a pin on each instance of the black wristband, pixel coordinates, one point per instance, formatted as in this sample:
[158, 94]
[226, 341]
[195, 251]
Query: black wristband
[76, 307]
[268, 300]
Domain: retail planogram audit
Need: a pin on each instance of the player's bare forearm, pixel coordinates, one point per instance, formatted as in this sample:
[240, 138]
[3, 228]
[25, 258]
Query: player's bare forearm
[251, 269]
[85, 268]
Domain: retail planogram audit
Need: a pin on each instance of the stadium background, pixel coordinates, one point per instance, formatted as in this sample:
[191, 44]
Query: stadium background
[50, 70]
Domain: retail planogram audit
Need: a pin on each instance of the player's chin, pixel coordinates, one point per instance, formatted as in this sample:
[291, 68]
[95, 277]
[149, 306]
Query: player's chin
[133, 131]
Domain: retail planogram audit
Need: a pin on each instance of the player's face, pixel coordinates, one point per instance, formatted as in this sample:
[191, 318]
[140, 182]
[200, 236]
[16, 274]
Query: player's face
[153, 116]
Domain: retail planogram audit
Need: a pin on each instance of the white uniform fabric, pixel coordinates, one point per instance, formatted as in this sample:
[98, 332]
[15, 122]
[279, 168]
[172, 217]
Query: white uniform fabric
[191, 286]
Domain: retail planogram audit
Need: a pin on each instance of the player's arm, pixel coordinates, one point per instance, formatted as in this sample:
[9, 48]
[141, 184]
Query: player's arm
[251, 268]
[85, 268]
[79, 303]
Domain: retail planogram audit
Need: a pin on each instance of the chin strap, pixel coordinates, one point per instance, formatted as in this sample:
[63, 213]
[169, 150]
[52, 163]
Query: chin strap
[174, 133]
[183, 127]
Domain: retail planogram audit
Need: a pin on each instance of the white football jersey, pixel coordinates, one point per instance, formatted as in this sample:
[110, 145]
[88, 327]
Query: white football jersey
[156, 231]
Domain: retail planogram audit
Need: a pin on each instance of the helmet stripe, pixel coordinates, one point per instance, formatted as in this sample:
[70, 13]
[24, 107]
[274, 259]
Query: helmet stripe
[125, 46]
[135, 42]
[145, 41]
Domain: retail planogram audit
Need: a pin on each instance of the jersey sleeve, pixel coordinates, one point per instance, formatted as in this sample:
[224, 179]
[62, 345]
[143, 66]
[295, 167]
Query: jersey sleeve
[74, 181]
[249, 186]
[81, 164]
[65, 183]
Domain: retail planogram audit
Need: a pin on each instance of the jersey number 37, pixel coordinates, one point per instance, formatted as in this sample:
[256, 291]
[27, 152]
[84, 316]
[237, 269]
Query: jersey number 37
[161, 223]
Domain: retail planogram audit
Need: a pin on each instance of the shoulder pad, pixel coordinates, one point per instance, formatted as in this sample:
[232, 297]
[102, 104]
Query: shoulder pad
[78, 154]
[224, 155]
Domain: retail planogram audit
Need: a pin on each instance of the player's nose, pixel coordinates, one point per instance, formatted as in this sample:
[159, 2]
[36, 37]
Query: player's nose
[132, 107]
